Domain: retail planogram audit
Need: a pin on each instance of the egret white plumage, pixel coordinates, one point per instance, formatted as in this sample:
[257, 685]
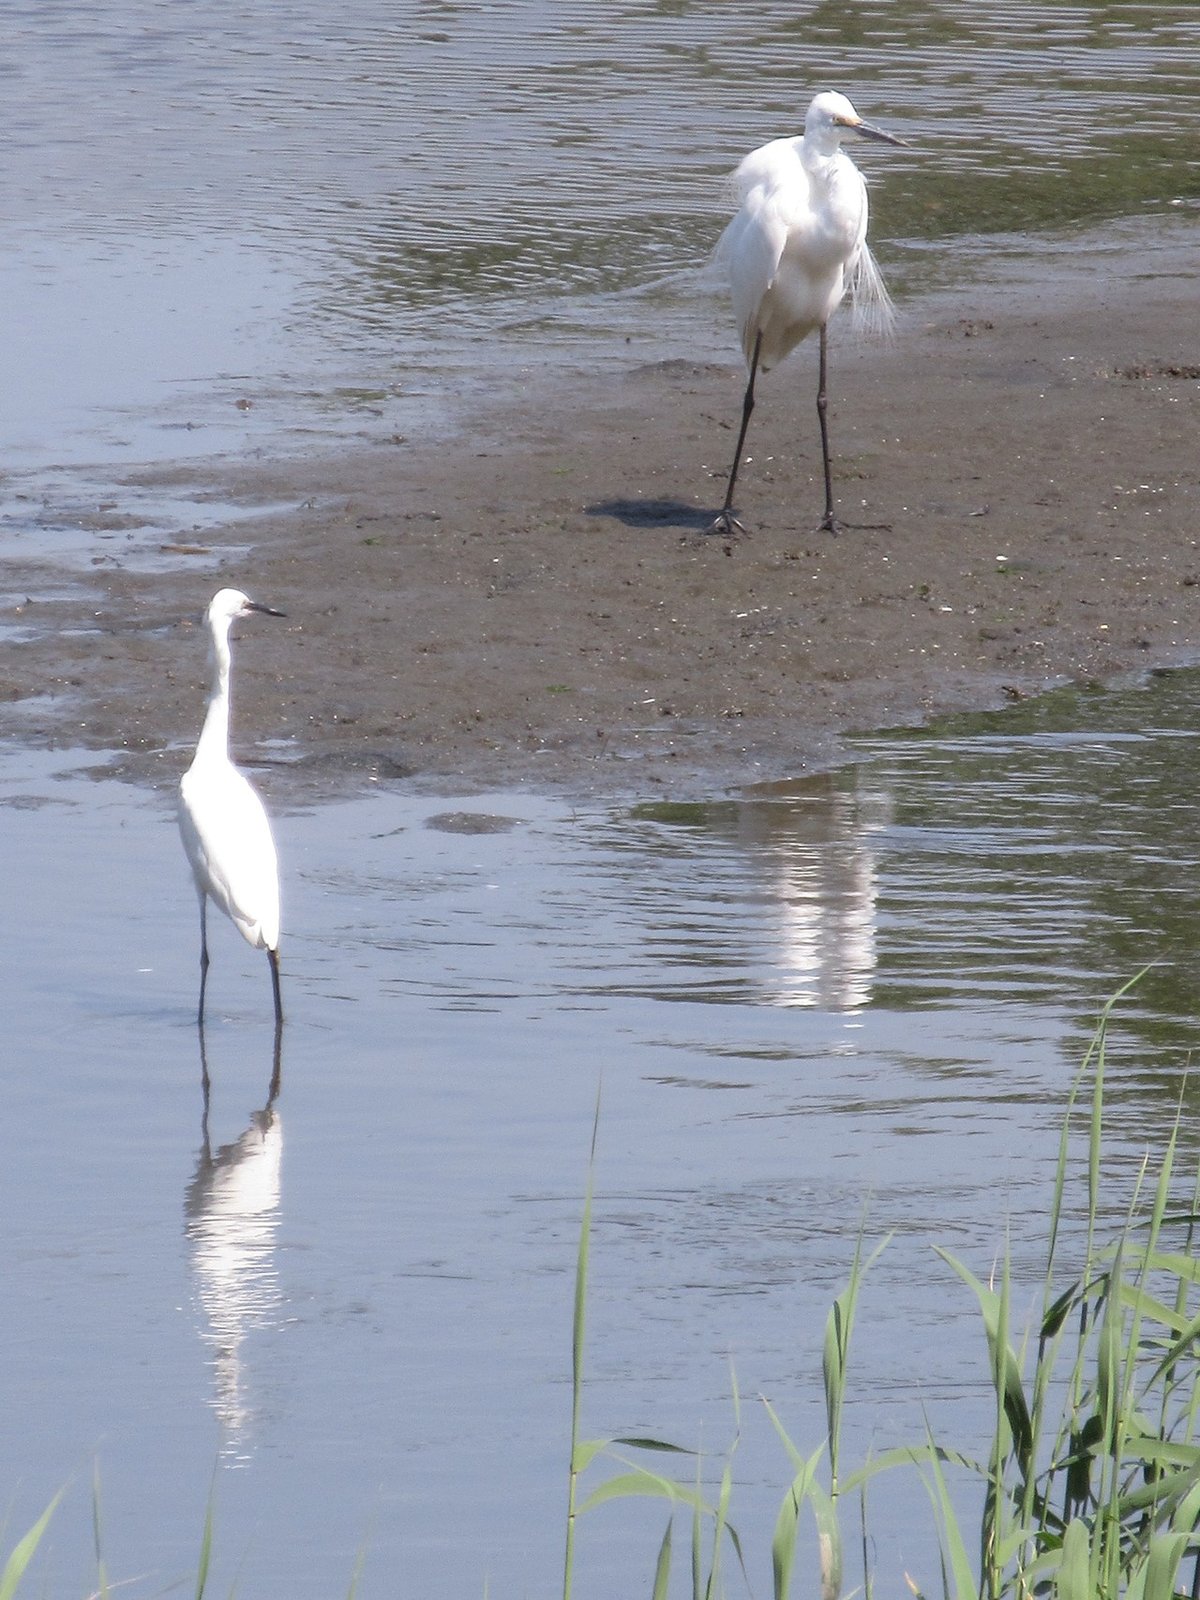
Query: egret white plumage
[224, 826]
[796, 245]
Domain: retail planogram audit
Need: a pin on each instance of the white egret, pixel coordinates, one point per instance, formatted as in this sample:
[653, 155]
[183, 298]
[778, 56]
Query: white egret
[222, 821]
[796, 245]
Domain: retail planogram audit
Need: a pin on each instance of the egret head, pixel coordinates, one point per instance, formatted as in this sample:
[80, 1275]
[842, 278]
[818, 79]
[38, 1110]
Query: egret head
[229, 604]
[830, 117]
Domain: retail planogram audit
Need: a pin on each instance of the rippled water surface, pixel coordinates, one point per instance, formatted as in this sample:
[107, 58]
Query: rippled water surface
[261, 227]
[227, 227]
[864, 994]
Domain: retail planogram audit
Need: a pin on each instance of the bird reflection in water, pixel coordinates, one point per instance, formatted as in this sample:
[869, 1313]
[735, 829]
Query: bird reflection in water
[232, 1214]
[820, 847]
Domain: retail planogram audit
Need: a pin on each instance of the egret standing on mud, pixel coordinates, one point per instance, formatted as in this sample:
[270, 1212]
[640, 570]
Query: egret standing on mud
[222, 821]
[798, 242]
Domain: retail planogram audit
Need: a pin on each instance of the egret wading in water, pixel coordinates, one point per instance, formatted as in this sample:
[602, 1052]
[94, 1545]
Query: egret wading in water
[222, 821]
[792, 251]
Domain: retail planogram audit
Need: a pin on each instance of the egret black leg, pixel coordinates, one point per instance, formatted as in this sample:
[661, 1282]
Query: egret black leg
[204, 1079]
[828, 521]
[273, 958]
[726, 521]
[276, 1064]
[203, 955]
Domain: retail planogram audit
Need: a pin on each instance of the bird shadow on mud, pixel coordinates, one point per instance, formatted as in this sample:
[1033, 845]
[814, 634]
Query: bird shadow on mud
[644, 512]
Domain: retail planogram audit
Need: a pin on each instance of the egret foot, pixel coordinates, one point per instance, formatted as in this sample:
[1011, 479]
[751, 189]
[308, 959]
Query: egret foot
[726, 524]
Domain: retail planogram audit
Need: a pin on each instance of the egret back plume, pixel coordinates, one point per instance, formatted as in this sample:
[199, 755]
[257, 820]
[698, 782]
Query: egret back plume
[871, 307]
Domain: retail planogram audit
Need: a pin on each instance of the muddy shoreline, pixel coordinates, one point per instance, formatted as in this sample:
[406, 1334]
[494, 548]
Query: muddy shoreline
[534, 600]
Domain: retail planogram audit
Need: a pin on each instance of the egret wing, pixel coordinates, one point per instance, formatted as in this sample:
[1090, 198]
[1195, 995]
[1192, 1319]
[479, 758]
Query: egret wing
[227, 837]
[775, 165]
[773, 189]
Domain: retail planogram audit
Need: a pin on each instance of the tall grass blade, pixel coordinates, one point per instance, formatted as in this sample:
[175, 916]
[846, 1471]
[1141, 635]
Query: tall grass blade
[1162, 1564]
[624, 1485]
[97, 1538]
[1073, 1580]
[24, 1551]
[360, 1561]
[787, 1523]
[829, 1541]
[805, 1487]
[577, 1341]
[697, 1529]
[1006, 1369]
[783, 1543]
[1094, 1054]
[206, 1539]
[957, 1577]
[839, 1326]
[868, 1587]
[720, 1523]
[662, 1567]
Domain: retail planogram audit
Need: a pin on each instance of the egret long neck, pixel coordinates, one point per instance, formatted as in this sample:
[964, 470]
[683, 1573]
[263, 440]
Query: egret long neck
[214, 736]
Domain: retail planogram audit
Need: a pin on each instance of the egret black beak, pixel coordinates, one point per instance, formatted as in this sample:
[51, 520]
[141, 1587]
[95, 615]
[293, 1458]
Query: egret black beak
[870, 131]
[267, 611]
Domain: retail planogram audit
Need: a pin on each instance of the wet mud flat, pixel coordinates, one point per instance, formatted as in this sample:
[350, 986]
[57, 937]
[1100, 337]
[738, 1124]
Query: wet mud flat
[534, 598]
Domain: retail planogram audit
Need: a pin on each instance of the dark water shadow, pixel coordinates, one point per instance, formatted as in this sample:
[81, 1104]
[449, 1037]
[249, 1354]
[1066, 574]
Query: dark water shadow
[647, 513]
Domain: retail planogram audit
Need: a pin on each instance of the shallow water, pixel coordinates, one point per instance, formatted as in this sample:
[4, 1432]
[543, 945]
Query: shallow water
[865, 993]
[241, 230]
[235, 230]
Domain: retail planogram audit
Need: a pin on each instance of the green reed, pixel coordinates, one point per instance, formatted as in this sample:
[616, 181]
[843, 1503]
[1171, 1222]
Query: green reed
[24, 1550]
[1091, 1480]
